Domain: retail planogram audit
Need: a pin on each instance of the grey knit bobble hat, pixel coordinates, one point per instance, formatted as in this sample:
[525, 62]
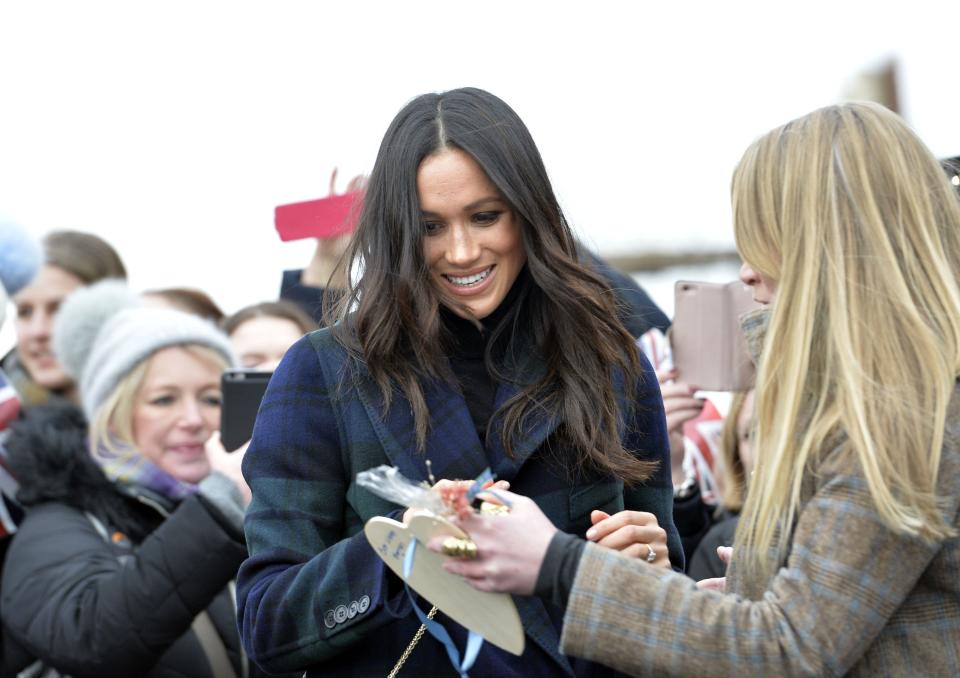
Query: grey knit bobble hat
[102, 332]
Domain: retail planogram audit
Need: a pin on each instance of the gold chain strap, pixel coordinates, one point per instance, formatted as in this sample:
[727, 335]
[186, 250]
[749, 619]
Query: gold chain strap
[413, 644]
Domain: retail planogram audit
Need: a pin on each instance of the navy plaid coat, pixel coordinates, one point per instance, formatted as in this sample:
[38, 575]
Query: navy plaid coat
[314, 596]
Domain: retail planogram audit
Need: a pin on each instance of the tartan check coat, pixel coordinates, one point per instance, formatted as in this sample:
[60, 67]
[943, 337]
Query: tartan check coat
[313, 595]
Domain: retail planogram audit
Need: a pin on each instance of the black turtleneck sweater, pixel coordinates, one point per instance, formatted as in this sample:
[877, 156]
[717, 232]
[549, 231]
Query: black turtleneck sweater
[467, 345]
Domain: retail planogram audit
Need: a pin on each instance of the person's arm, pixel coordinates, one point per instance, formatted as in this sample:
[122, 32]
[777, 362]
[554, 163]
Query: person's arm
[324, 276]
[647, 436]
[305, 592]
[847, 575]
[321, 281]
[69, 600]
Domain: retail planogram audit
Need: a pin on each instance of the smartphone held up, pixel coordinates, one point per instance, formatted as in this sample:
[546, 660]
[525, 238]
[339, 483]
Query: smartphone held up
[242, 391]
[709, 348]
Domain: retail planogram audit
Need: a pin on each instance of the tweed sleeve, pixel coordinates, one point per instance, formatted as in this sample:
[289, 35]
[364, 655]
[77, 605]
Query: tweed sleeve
[646, 437]
[846, 577]
[306, 590]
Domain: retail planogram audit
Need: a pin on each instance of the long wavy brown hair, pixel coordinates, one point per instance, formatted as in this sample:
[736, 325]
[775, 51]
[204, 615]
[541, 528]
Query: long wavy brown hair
[389, 317]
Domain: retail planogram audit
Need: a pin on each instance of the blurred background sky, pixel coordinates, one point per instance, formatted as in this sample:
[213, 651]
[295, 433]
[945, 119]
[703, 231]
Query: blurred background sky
[173, 128]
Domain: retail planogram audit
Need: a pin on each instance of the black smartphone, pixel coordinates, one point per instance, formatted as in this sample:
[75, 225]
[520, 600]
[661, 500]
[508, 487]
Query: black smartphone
[242, 392]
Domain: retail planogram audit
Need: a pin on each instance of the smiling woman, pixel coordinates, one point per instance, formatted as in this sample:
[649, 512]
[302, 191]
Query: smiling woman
[123, 563]
[473, 338]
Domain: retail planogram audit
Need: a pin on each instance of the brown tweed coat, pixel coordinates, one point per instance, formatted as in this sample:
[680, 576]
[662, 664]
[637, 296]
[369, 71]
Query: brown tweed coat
[852, 597]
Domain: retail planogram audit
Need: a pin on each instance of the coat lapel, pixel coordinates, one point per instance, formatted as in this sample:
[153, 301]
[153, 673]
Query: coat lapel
[528, 368]
[452, 445]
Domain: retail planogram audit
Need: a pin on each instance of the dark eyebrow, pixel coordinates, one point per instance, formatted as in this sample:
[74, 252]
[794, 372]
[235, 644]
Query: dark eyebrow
[472, 206]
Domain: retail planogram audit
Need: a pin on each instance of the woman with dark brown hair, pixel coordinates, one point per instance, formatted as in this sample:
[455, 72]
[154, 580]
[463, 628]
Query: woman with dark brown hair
[473, 337]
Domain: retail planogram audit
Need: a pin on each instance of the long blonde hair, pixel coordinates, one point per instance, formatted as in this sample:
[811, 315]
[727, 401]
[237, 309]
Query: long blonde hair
[734, 473]
[853, 218]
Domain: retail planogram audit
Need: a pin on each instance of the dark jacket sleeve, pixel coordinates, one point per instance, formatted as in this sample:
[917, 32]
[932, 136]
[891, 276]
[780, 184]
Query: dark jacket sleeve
[306, 591]
[704, 563]
[646, 436]
[636, 310]
[693, 518]
[69, 600]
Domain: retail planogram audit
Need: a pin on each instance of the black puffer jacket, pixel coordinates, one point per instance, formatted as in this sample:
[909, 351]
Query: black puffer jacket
[101, 583]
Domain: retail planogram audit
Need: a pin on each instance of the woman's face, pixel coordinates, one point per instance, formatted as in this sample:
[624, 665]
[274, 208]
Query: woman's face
[177, 409]
[472, 245]
[764, 289]
[37, 305]
[261, 342]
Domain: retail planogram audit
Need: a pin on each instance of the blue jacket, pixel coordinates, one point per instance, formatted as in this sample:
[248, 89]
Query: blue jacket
[314, 596]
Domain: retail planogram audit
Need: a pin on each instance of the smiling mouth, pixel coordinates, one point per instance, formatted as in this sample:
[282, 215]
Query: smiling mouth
[469, 280]
[188, 449]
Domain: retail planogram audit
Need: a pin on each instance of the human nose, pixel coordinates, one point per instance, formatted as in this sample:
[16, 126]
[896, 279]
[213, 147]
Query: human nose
[748, 276]
[462, 248]
[39, 326]
[191, 416]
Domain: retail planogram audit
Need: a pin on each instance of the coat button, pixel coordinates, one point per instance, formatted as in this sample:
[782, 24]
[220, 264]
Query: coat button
[340, 614]
[328, 619]
[353, 609]
[363, 604]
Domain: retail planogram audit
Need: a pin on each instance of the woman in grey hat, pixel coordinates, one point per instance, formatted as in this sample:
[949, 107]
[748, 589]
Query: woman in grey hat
[123, 565]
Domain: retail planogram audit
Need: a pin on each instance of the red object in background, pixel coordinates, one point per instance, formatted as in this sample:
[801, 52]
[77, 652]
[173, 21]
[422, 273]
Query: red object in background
[702, 436]
[323, 218]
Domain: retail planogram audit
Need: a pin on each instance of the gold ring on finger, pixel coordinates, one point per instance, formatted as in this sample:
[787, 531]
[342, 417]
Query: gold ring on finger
[459, 548]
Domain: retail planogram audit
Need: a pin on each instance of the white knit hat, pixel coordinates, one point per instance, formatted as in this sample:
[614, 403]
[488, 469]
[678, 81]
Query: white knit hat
[101, 333]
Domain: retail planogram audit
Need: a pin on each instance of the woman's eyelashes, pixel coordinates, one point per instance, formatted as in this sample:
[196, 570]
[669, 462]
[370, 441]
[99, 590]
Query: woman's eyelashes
[487, 218]
[163, 400]
[212, 399]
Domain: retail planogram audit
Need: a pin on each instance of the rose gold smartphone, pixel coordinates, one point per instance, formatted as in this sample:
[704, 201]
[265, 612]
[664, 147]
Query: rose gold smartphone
[709, 349]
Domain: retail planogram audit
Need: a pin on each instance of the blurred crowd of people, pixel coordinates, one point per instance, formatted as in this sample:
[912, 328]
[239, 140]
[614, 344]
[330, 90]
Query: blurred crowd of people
[123, 516]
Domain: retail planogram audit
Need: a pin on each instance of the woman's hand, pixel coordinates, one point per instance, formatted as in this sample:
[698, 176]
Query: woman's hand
[718, 583]
[324, 269]
[228, 463]
[510, 547]
[633, 533]
[680, 407]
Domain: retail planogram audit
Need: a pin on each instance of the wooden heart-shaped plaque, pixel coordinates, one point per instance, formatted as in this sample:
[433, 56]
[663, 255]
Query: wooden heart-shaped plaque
[492, 615]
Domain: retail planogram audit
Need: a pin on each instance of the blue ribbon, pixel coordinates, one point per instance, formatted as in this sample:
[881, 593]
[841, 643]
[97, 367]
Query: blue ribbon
[477, 487]
[474, 640]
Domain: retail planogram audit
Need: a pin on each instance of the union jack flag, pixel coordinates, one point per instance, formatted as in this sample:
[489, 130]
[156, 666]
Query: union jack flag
[9, 409]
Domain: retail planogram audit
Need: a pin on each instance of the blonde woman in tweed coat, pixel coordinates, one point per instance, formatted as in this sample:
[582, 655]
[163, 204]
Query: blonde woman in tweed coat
[846, 559]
